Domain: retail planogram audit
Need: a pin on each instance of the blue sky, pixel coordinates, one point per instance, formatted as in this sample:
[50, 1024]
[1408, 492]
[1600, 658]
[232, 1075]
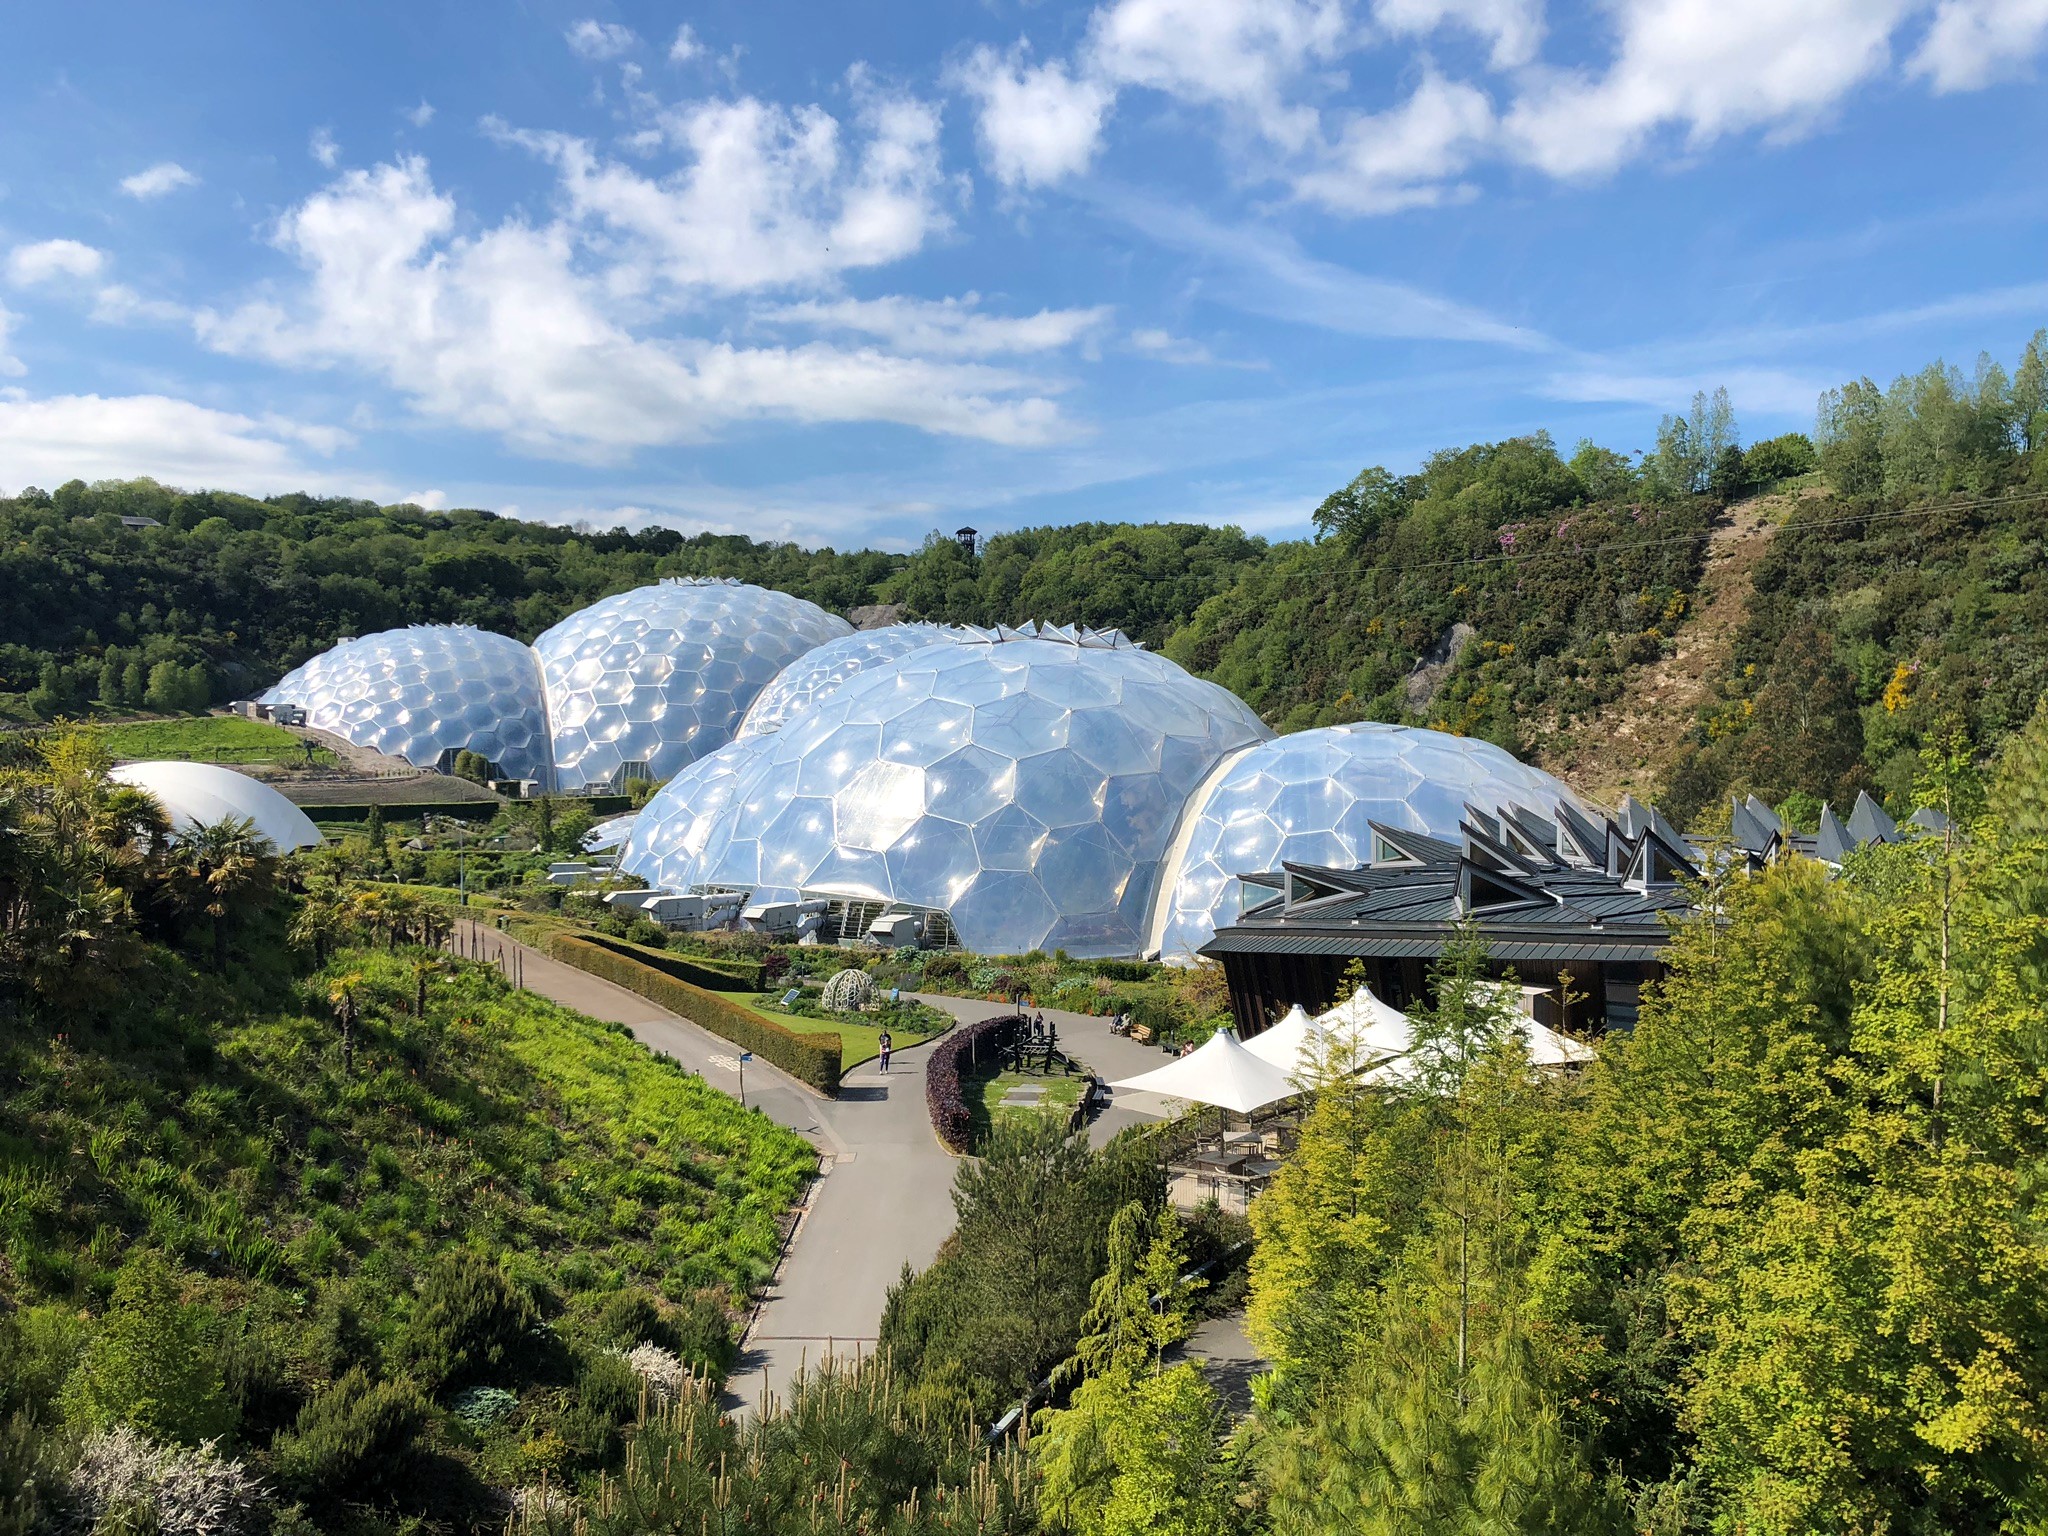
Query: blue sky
[846, 273]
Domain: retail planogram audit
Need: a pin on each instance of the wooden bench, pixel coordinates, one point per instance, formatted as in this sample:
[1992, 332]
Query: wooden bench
[1144, 1034]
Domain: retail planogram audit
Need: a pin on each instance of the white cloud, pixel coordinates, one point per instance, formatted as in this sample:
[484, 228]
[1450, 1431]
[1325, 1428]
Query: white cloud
[944, 327]
[1165, 347]
[118, 304]
[432, 501]
[1264, 272]
[158, 180]
[1245, 55]
[1513, 27]
[1709, 68]
[323, 148]
[1772, 391]
[685, 47]
[47, 259]
[420, 115]
[1974, 42]
[11, 367]
[502, 332]
[1404, 157]
[600, 40]
[51, 440]
[1038, 124]
[769, 197]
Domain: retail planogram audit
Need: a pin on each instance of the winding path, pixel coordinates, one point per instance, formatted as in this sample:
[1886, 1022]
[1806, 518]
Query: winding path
[884, 1195]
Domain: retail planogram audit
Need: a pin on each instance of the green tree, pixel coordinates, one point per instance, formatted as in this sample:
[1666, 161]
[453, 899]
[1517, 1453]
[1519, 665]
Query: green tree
[166, 691]
[150, 1363]
[1138, 1455]
[1372, 502]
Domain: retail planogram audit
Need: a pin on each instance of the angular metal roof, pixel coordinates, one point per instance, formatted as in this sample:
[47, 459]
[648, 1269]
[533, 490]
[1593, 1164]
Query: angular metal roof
[1531, 900]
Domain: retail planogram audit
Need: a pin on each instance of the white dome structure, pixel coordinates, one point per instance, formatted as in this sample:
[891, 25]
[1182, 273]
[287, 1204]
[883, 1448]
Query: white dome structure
[1308, 798]
[648, 681]
[1025, 784]
[425, 693]
[196, 795]
[809, 678]
[666, 845]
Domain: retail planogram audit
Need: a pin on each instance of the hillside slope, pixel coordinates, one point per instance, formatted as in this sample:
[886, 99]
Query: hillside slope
[1633, 744]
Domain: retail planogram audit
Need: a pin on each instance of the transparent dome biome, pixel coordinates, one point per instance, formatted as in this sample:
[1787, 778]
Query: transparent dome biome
[1308, 798]
[1025, 784]
[425, 693]
[666, 845]
[645, 682]
[816, 673]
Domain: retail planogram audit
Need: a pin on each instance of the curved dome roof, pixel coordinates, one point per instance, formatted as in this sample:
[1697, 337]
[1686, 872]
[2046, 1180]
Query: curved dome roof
[661, 675]
[1027, 785]
[818, 672]
[1308, 798]
[429, 690]
[667, 843]
[203, 795]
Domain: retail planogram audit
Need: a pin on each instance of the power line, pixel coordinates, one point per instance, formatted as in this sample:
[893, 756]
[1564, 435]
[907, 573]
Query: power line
[1894, 515]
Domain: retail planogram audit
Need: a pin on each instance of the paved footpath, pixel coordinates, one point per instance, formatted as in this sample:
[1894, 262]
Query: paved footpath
[885, 1196]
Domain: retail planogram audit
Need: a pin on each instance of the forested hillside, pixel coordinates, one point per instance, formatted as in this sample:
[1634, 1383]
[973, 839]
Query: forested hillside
[1508, 590]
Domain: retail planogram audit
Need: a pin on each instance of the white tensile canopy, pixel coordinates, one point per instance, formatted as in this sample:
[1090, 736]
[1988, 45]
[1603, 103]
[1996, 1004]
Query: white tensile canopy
[1366, 1024]
[1222, 1072]
[1378, 1031]
[204, 794]
[1547, 1048]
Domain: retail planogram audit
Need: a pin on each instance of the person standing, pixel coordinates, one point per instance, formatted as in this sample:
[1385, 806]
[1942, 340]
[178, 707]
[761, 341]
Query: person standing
[883, 1045]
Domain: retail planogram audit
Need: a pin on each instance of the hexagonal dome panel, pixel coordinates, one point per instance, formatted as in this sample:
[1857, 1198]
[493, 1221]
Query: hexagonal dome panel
[660, 676]
[1033, 807]
[425, 693]
[804, 681]
[1309, 798]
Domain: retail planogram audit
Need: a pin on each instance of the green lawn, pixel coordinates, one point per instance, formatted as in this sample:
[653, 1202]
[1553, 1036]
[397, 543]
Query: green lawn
[209, 739]
[985, 1095]
[857, 1042]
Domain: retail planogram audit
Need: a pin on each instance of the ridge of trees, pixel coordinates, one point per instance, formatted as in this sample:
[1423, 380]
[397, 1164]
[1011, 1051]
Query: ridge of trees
[1565, 573]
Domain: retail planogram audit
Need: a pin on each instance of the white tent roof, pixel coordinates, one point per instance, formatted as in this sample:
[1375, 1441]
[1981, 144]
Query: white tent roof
[1374, 1025]
[1370, 1026]
[205, 794]
[1222, 1072]
[1382, 1031]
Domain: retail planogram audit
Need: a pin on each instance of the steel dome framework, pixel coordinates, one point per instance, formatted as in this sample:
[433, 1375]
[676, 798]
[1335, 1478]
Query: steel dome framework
[424, 693]
[1024, 783]
[648, 681]
[1307, 798]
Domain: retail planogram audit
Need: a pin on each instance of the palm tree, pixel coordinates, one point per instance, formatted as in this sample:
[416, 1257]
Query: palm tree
[341, 997]
[316, 926]
[230, 869]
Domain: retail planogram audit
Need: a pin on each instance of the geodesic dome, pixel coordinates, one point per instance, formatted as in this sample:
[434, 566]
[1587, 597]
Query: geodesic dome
[849, 991]
[818, 672]
[1026, 785]
[425, 693]
[654, 678]
[667, 842]
[1308, 799]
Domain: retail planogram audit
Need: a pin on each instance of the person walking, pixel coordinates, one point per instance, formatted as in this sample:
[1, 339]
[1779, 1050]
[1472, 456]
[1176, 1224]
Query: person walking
[883, 1045]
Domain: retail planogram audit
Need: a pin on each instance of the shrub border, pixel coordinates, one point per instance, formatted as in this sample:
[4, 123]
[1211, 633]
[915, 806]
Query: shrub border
[811, 1059]
[945, 1096]
[697, 970]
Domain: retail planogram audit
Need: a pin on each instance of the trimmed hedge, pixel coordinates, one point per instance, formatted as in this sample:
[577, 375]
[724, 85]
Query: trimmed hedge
[697, 970]
[812, 1058]
[944, 1094]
